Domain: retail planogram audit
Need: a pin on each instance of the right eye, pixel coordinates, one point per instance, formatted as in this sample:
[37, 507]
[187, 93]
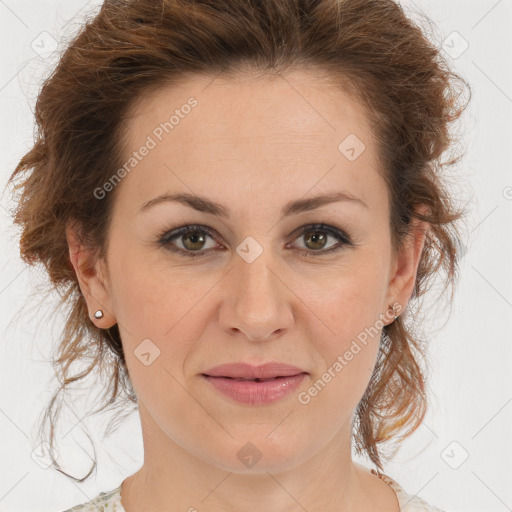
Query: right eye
[191, 237]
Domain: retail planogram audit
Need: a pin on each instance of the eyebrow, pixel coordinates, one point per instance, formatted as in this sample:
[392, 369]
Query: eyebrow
[205, 205]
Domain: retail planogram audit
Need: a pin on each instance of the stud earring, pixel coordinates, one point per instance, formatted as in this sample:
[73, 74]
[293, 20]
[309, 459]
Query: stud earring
[392, 306]
[98, 314]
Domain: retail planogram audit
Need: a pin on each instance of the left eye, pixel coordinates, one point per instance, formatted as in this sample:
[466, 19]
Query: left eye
[193, 239]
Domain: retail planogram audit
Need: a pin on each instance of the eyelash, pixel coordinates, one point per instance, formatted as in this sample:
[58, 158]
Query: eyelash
[166, 237]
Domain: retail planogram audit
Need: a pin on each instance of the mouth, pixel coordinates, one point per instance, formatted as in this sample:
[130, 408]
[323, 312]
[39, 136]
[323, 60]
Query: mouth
[257, 390]
[258, 373]
[249, 380]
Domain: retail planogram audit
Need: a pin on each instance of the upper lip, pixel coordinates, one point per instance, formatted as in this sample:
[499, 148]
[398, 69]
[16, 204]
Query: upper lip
[248, 371]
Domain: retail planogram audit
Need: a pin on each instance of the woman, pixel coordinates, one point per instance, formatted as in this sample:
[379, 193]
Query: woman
[243, 203]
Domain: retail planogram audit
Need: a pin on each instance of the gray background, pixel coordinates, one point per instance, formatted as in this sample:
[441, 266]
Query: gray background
[471, 349]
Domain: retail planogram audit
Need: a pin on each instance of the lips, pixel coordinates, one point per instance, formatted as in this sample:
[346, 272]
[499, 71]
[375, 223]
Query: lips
[244, 371]
[256, 392]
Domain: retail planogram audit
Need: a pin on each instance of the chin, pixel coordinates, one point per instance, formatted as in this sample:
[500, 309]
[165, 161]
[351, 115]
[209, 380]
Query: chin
[256, 452]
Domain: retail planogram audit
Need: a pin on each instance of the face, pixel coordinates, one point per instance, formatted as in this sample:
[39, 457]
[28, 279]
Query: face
[191, 288]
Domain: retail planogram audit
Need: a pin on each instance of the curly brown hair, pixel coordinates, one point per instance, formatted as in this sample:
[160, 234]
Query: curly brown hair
[370, 48]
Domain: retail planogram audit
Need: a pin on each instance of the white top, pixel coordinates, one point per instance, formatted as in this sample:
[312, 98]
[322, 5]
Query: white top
[111, 501]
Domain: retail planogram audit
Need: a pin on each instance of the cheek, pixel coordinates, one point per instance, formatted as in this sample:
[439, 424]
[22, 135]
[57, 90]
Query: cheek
[346, 330]
[166, 307]
[346, 301]
[148, 296]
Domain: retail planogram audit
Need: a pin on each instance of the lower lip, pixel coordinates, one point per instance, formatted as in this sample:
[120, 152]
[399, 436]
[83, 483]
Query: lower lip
[256, 393]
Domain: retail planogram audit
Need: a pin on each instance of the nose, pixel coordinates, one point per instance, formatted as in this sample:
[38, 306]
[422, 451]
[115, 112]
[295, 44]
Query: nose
[257, 301]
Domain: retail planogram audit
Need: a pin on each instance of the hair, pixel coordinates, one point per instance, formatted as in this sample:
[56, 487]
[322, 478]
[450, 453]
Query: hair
[370, 48]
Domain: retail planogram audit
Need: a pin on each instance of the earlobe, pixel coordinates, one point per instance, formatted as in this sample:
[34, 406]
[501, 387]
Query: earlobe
[93, 286]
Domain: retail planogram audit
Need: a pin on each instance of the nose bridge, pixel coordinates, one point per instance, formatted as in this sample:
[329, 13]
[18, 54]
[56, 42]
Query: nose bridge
[256, 290]
[258, 305]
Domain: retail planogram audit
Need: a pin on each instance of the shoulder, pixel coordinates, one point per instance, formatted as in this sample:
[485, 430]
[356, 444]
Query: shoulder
[408, 502]
[109, 501]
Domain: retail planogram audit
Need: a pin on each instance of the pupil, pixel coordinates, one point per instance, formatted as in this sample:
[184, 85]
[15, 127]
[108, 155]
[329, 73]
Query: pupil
[316, 237]
[195, 238]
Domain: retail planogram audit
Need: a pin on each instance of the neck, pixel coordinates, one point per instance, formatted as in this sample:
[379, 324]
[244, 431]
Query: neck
[185, 479]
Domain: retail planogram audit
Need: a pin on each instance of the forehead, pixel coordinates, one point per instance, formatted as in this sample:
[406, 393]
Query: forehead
[298, 104]
[292, 132]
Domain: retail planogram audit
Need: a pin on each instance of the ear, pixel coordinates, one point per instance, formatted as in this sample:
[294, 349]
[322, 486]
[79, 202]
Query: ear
[406, 262]
[91, 274]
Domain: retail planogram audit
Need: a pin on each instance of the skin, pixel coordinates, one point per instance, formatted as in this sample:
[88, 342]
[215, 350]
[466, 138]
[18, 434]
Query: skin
[252, 144]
